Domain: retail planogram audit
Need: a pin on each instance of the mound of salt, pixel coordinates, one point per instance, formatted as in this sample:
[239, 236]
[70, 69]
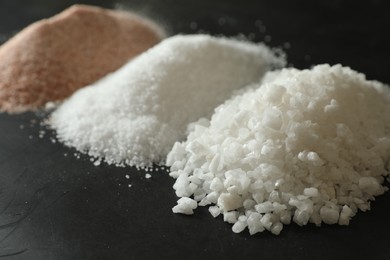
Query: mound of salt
[307, 146]
[50, 59]
[135, 115]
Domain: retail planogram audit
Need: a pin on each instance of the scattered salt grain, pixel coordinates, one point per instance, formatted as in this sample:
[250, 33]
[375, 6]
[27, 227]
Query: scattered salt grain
[135, 115]
[310, 146]
[97, 162]
[42, 134]
[148, 176]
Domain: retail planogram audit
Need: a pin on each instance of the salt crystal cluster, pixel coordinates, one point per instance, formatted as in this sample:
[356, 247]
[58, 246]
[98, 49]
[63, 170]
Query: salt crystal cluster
[310, 146]
[135, 115]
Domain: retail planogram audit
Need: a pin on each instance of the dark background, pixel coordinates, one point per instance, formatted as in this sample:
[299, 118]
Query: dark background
[54, 206]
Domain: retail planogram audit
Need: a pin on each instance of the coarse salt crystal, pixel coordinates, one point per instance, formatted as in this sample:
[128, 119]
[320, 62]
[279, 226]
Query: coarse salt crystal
[185, 206]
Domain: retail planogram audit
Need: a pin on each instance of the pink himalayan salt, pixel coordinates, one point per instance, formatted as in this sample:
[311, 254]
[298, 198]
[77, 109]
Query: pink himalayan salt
[52, 58]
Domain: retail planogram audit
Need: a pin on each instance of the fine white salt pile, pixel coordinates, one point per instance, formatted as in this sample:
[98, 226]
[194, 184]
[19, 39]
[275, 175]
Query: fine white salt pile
[307, 146]
[135, 115]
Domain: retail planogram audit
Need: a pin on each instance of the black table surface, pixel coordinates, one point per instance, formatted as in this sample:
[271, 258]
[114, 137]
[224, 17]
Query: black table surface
[56, 206]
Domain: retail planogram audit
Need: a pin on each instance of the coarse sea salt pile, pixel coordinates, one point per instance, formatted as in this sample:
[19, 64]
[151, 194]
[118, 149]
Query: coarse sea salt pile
[307, 146]
[135, 115]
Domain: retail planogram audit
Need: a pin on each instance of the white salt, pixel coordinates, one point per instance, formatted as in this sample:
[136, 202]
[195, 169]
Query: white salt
[310, 146]
[135, 115]
[97, 162]
[185, 206]
[214, 211]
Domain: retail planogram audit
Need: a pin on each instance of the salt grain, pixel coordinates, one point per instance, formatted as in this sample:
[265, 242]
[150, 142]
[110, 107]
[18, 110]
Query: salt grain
[185, 206]
[97, 163]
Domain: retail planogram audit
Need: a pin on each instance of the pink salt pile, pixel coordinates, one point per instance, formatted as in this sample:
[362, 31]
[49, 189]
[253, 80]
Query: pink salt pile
[50, 59]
